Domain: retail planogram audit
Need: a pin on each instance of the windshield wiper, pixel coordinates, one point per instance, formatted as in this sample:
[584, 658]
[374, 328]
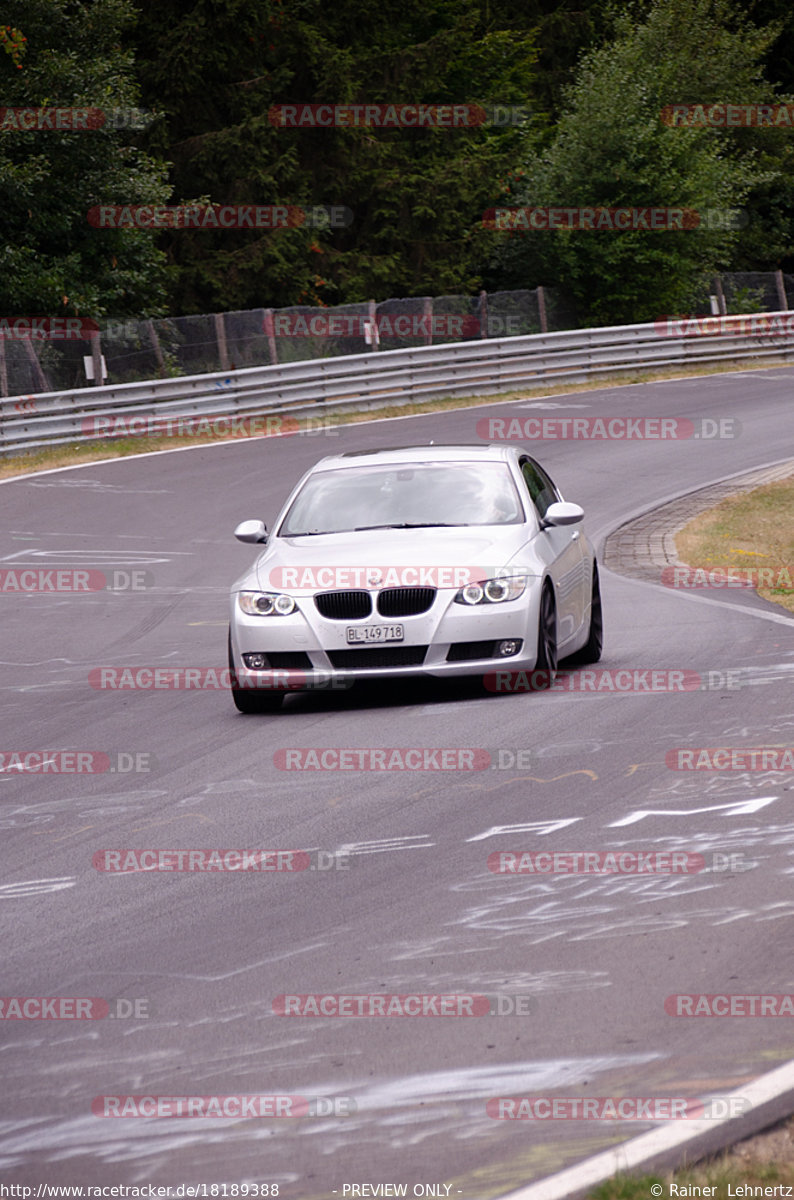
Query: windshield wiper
[364, 528]
[315, 532]
[412, 525]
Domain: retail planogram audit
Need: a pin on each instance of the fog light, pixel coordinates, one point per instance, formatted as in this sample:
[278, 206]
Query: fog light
[256, 662]
[505, 649]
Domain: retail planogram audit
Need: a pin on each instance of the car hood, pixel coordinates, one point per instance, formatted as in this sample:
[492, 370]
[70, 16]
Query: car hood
[483, 547]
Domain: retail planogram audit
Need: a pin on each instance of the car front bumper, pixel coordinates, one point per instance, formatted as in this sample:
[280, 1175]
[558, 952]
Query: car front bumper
[312, 651]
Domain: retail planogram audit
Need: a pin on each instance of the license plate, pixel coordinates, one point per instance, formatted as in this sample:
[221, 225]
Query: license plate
[375, 633]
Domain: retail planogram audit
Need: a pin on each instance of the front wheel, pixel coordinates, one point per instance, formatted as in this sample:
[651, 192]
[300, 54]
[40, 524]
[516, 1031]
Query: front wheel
[545, 670]
[591, 650]
[252, 700]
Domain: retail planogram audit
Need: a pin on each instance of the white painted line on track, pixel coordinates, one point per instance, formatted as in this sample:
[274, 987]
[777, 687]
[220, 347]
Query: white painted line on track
[633, 1153]
[742, 609]
[101, 462]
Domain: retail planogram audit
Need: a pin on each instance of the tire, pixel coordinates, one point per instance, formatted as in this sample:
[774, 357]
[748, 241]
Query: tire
[591, 650]
[545, 670]
[249, 700]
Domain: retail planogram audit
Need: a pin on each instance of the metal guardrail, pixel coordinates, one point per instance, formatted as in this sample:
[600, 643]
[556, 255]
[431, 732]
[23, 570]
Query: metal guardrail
[391, 377]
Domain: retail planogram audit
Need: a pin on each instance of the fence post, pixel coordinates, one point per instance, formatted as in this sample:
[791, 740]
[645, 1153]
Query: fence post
[155, 344]
[782, 299]
[95, 341]
[42, 382]
[220, 335]
[272, 346]
[3, 368]
[544, 322]
[373, 319]
[720, 296]
[483, 314]
[427, 315]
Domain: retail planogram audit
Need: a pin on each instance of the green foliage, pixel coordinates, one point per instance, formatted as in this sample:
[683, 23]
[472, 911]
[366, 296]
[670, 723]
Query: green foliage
[611, 149]
[214, 69]
[13, 42]
[51, 260]
[747, 300]
[416, 195]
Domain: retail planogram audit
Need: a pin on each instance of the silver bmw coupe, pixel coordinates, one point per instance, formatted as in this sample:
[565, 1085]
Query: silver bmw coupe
[419, 561]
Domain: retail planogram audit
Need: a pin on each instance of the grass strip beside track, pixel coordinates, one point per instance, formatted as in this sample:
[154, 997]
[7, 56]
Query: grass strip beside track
[763, 1161]
[752, 531]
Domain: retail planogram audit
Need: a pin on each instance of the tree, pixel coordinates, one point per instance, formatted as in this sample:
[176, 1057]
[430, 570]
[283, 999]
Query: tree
[611, 149]
[416, 195]
[52, 261]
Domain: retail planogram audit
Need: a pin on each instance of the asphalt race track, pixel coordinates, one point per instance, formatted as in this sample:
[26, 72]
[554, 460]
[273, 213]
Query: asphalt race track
[591, 959]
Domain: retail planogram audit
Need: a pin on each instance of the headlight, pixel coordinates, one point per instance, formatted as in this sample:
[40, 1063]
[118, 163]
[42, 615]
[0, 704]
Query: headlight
[266, 604]
[492, 591]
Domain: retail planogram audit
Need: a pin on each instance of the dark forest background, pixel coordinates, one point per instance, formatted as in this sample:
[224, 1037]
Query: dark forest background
[590, 79]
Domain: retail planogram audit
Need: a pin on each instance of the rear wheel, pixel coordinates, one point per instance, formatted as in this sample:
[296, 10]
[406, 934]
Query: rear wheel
[545, 670]
[591, 650]
[252, 700]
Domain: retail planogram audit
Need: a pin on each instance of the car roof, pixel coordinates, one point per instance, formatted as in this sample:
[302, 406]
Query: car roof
[415, 454]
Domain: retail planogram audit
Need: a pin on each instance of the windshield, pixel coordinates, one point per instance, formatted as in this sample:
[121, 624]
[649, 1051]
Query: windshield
[409, 496]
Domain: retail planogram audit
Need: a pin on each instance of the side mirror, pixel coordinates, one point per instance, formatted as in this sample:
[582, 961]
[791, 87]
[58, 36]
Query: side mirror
[251, 531]
[562, 513]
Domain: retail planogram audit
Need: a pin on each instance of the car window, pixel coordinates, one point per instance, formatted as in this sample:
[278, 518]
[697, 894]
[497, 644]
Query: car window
[539, 486]
[407, 494]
